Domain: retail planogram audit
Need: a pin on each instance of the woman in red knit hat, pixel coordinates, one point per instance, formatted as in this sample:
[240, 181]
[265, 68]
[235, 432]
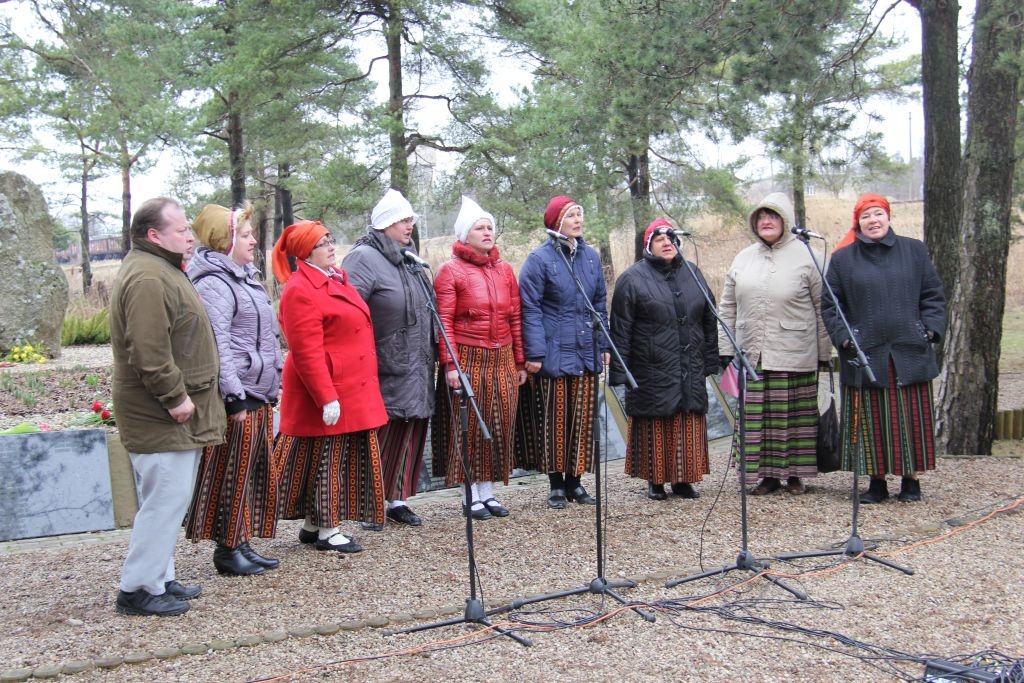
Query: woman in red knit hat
[667, 334]
[892, 297]
[555, 420]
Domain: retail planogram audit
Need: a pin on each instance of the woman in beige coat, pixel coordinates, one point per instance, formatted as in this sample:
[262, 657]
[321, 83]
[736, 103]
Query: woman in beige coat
[772, 301]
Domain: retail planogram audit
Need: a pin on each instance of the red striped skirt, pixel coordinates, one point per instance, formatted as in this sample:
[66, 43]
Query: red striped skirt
[495, 382]
[235, 496]
[401, 444]
[668, 449]
[330, 478]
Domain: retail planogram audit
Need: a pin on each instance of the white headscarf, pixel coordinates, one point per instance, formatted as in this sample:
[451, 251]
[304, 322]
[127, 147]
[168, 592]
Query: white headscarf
[469, 214]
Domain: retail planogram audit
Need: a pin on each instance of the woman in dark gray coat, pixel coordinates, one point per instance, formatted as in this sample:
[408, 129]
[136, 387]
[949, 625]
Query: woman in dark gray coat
[403, 331]
[666, 332]
[893, 299]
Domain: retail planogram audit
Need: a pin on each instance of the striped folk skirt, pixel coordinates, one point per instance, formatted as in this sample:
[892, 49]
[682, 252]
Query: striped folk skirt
[554, 424]
[495, 382]
[330, 478]
[893, 426]
[401, 445]
[668, 449]
[235, 497]
[781, 426]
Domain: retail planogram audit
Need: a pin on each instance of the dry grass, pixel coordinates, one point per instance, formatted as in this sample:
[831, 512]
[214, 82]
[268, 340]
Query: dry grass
[717, 240]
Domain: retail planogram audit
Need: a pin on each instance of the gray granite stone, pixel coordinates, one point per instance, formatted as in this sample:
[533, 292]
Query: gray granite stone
[54, 483]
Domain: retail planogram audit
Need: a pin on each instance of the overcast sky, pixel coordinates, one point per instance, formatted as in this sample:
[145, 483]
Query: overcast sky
[902, 125]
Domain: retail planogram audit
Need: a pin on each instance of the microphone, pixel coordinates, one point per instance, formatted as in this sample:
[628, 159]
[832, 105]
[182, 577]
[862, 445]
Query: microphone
[681, 233]
[557, 235]
[805, 233]
[413, 258]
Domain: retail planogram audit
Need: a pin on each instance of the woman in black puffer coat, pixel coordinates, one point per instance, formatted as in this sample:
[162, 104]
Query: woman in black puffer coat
[666, 332]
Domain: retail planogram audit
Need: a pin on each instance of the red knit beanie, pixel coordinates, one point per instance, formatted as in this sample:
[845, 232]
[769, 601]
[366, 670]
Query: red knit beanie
[557, 208]
[649, 233]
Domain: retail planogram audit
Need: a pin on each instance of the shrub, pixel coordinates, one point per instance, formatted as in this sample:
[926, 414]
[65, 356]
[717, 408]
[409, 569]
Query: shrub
[85, 328]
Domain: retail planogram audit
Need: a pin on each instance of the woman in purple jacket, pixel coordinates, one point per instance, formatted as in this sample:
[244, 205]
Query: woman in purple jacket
[236, 490]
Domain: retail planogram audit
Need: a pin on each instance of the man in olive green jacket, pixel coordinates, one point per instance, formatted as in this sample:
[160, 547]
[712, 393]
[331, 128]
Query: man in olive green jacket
[166, 399]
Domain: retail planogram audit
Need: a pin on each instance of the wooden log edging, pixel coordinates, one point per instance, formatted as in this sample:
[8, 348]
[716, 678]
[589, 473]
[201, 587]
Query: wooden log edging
[1010, 424]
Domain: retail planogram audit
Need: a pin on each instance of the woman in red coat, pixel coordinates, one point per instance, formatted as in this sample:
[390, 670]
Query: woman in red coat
[478, 302]
[330, 397]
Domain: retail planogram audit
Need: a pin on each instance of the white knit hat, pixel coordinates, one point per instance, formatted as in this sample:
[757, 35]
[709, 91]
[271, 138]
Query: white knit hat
[391, 208]
[469, 214]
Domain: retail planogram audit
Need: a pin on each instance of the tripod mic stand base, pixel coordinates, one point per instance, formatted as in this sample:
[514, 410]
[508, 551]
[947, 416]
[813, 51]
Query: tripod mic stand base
[599, 586]
[853, 548]
[474, 614]
[744, 560]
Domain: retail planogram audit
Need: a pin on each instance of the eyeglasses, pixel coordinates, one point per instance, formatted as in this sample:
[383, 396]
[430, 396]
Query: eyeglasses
[326, 241]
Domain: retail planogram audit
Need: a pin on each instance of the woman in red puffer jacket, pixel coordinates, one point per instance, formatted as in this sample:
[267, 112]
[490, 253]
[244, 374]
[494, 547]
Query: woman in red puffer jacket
[478, 302]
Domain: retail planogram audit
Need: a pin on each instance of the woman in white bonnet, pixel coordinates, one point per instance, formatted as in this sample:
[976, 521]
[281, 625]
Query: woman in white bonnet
[478, 302]
[403, 331]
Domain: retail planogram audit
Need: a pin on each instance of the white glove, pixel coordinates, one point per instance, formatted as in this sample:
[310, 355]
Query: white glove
[332, 411]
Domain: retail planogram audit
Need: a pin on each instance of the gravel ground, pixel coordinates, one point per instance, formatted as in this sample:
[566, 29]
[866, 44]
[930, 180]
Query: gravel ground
[325, 616]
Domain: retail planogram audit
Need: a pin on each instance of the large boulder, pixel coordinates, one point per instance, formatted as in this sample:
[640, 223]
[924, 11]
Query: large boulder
[33, 288]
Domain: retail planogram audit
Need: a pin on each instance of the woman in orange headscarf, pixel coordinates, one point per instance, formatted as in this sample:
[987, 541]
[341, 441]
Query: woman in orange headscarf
[892, 298]
[330, 397]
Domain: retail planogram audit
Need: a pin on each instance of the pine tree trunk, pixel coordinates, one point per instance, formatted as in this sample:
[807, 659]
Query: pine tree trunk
[638, 175]
[940, 78]
[969, 387]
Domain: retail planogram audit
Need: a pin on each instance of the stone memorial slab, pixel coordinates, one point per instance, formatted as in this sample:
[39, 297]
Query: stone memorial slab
[54, 483]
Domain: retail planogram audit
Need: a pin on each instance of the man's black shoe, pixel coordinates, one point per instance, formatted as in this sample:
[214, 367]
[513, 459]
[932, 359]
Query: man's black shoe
[181, 591]
[146, 604]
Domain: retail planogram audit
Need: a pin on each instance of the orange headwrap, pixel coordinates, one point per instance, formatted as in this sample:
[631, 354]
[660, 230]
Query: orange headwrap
[865, 202]
[297, 240]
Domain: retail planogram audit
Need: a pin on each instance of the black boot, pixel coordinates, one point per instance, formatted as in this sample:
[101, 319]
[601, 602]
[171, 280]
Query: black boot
[910, 490]
[256, 558]
[557, 499]
[232, 562]
[574, 491]
[656, 491]
[876, 493]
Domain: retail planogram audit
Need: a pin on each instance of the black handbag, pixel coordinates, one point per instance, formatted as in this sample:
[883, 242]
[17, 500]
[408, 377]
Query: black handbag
[828, 432]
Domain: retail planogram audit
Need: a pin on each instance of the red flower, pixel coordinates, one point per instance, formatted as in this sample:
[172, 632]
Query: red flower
[97, 406]
[105, 415]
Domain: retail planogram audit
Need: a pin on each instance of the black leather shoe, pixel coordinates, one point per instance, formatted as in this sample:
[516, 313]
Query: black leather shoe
[496, 508]
[307, 536]
[580, 495]
[371, 526]
[479, 514]
[557, 499]
[181, 591]
[350, 547]
[403, 515]
[656, 491]
[684, 490]
[231, 562]
[256, 558]
[145, 604]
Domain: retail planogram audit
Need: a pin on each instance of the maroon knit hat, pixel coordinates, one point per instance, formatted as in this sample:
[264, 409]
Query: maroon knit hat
[653, 229]
[557, 208]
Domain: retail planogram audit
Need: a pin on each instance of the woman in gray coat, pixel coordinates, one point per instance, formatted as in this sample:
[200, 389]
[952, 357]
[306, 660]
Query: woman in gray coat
[235, 496]
[404, 333]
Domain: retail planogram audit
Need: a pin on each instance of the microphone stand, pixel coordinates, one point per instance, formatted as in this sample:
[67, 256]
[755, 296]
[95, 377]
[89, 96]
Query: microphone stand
[599, 585]
[474, 612]
[744, 559]
[854, 546]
